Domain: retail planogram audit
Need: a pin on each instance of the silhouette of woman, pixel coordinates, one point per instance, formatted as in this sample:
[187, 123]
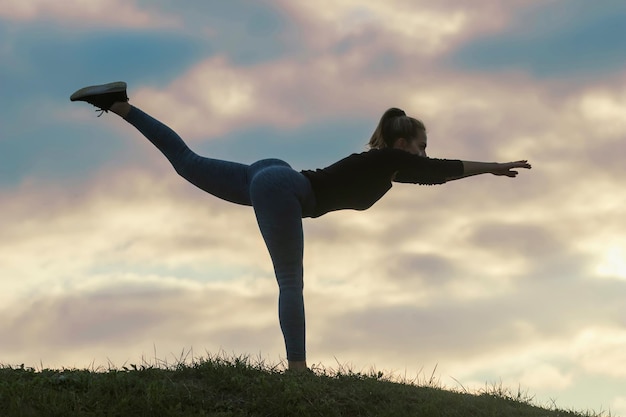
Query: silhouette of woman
[282, 196]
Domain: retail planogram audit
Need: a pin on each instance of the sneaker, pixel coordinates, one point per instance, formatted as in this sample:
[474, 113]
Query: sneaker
[102, 96]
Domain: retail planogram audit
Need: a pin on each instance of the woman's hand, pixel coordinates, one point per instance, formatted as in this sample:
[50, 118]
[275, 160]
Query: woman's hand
[506, 168]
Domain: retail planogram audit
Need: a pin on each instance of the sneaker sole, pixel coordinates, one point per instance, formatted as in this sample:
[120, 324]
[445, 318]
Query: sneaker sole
[94, 90]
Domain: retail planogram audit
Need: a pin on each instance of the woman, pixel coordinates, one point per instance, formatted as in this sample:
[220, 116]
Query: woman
[281, 196]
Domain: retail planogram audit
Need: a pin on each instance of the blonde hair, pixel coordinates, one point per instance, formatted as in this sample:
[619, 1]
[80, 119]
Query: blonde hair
[393, 125]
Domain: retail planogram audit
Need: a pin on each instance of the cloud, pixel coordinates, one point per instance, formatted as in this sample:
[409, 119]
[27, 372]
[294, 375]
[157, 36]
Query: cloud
[546, 376]
[415, 28]
[601, 351]
[603, 108]
[618, 407]
[85, 14]
[129, 313]
[429, 29]
[354, 74]
[122, 220]
[573, 41]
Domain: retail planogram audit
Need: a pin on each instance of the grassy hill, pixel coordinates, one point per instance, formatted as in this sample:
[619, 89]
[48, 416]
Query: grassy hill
[236, 387]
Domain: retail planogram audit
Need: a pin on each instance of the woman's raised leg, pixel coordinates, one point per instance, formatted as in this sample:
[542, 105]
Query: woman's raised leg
[223, 179]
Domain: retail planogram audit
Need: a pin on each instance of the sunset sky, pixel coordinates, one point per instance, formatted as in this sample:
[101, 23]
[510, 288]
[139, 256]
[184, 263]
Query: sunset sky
[108, 257]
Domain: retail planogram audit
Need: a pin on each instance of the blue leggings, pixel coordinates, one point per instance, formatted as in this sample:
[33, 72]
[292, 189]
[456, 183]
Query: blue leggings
[280, 196]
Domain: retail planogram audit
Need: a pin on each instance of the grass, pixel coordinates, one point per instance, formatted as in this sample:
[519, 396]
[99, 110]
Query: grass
[237, 386]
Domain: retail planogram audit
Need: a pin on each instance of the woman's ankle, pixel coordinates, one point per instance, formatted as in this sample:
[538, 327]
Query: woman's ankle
[121, 108]
[297, 366]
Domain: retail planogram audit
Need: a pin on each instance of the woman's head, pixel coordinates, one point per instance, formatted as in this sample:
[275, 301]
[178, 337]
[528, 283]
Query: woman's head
[396, 129]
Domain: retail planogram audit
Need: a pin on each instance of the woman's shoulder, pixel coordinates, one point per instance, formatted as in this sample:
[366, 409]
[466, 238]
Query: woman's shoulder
[389, 155]
[383, 152]
[376, 156]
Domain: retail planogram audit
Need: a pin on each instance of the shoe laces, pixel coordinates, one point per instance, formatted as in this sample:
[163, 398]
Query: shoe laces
[102, 111]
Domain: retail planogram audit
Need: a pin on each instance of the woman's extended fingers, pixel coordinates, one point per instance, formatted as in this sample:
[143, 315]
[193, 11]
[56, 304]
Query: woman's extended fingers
[521, 164]
[506, 168]
[517, 164]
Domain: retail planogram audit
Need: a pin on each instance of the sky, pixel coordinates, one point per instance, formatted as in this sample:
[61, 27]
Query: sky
[108, 257]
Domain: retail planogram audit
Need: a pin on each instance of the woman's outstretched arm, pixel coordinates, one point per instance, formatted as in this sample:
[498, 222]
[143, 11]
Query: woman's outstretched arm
[507, 169]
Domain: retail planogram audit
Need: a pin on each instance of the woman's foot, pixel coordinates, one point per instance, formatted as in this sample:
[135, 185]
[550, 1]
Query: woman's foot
[104, 96]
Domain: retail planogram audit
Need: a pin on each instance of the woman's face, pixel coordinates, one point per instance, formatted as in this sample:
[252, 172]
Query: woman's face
[416, 146]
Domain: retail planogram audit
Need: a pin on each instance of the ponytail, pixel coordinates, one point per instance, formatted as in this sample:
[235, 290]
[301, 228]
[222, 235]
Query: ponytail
[394, 124]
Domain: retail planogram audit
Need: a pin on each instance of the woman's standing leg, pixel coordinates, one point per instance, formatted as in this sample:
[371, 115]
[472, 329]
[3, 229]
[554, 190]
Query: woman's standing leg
[279, 195]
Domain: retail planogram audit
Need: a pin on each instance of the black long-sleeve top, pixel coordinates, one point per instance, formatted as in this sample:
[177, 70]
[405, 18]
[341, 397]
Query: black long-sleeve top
[359, 180]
